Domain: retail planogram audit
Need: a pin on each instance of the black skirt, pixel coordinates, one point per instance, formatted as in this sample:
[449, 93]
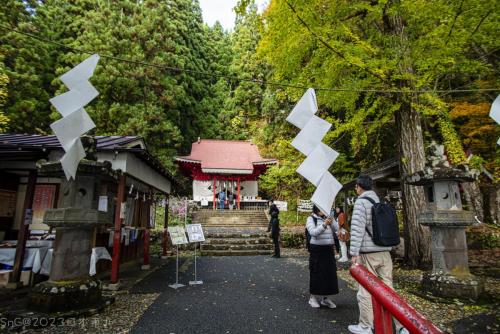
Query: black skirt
[323, 271]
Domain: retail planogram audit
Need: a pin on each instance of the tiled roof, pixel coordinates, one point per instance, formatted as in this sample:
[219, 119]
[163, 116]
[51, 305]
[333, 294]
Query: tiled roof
[25, 146]
[225, 154]
[40, 141]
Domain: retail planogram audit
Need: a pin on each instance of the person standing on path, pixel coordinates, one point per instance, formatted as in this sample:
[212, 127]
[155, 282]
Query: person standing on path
[343, 233]
[274, 227]
[273, 207]
[230, 201]
[222, 198]
[322, 268]
[376, 259]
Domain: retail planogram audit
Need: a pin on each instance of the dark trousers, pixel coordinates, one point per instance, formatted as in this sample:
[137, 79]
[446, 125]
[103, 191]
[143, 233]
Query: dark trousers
[276, 241]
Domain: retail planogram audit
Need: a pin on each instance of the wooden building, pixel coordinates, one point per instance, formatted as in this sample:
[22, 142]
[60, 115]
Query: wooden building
[140, 178]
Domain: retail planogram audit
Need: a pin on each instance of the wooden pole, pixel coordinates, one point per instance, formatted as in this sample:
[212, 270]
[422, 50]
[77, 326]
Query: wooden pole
[24, 229]
[120, 198]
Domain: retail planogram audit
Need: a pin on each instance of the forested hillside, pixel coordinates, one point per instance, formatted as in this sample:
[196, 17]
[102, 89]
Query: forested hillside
[383, 73]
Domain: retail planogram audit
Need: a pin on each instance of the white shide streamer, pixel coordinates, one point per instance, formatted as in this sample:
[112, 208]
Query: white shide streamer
[75, 121]
[495, 112]
[319, 157]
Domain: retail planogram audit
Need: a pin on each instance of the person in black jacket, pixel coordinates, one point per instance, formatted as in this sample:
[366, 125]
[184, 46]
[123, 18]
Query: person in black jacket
[274, 227]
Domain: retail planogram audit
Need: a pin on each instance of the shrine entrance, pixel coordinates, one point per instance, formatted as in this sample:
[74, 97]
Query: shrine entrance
[231, 167]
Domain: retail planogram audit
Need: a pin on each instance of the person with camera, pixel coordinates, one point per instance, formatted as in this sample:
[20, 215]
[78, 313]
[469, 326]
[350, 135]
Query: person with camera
[323, 281]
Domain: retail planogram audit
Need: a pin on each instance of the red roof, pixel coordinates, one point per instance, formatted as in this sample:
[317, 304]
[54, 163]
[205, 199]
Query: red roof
[225, 154]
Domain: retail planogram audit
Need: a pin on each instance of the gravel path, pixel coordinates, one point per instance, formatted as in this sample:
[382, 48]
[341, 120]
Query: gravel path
[254, 294]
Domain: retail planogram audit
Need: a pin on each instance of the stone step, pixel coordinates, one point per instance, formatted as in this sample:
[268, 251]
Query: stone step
[236, 252]
[237, 241]
[210, 247]
[231, 222]
[197, 217]
[227, 212]
[235, 225]
[230, 235]
[230, 219]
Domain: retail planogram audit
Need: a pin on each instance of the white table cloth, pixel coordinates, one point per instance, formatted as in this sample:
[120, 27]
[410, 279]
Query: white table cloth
[33, 257]
[98, 253]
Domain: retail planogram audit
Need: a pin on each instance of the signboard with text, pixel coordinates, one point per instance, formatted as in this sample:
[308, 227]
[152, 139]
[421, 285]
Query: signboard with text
[177, 235]
[195, 233]
[304, 205]
[282, 205]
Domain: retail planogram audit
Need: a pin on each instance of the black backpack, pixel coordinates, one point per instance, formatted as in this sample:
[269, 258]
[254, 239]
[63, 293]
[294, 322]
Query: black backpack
[308, 236]
[384, 224]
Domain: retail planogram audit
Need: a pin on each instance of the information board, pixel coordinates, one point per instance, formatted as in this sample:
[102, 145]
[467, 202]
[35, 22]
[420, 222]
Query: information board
[281, 205]
[195, 233]
[304, 205]
[177, 235]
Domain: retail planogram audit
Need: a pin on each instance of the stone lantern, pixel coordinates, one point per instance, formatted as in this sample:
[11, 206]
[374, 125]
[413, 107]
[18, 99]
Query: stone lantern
[450, 275]
[70, 289]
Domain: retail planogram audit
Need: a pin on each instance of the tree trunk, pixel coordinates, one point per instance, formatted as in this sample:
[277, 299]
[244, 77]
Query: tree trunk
[474, 198]
[412, 159]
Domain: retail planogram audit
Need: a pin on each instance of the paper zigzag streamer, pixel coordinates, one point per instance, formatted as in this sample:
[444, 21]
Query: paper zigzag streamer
[495, 112]
[319, 157]
[75, 121]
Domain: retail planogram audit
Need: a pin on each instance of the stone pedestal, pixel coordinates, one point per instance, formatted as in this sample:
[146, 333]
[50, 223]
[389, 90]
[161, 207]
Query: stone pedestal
[70, 290]
[450, 275]
[69, 285]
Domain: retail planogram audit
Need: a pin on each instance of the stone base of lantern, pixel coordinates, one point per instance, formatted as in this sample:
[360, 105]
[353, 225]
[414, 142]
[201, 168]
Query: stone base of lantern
[467, 287]
[55, 297]
[54, 304]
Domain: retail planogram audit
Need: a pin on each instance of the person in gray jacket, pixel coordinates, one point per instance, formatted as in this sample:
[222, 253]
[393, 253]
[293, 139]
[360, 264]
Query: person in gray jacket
[363, 250]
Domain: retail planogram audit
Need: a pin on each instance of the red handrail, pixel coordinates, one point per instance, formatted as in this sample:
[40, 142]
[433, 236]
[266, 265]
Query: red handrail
[387, 304]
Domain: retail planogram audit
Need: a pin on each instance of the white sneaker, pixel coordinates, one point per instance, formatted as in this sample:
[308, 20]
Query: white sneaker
[313, 302]
[358, 329]
[328, 303]
[337, 256]
[343, 259]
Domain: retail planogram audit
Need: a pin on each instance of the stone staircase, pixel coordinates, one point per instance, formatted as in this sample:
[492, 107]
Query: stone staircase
[234, 232]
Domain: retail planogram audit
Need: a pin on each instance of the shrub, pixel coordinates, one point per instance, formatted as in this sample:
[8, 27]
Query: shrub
[293, 240]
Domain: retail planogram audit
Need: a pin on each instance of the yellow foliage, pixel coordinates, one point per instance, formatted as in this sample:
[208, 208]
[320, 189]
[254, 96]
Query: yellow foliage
[478, 131]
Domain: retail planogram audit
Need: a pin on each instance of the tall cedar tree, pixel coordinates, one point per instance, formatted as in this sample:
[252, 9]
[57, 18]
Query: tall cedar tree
[167, 107]
[25, 73]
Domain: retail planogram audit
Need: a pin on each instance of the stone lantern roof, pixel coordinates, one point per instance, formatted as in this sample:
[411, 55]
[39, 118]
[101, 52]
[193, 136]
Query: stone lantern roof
[459, 173]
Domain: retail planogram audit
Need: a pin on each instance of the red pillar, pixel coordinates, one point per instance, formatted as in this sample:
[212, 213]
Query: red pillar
[24, 229]
[215, 199]
[239, 192]
[165, 230]
[120, 198]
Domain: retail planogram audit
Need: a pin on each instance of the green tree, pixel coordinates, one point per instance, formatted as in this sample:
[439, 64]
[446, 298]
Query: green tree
[164, 105]
[242, 111]
[391, 45]
[27, 68]
[4, 80]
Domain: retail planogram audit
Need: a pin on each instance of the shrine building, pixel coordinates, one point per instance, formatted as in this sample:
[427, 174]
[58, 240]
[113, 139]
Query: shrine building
[233, 166]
